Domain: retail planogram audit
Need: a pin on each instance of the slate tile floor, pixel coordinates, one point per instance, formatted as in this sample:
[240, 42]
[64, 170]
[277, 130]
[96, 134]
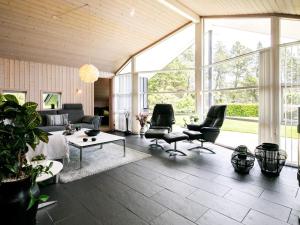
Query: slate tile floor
[198, 189]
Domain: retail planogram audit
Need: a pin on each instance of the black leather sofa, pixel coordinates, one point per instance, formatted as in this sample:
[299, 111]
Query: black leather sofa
[75, 116]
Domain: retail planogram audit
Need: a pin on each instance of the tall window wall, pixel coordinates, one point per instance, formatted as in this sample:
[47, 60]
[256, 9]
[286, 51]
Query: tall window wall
[123, 98]
[231, 74]
[290, 86]
[166, 75]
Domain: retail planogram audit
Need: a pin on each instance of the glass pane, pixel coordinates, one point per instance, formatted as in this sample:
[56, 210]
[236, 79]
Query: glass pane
[180, 45]
[170, 81]
[226, 38]
[21, 96]
[290, 100]
[51, 100]
[289, 30]
[241, 72]
[241, 123]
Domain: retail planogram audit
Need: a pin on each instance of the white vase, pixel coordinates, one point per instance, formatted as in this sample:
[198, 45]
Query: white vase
[142, 131]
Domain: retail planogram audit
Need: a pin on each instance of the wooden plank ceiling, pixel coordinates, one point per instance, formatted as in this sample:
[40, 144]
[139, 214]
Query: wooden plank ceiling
[51, 31]
[43, 31]
[239, 7]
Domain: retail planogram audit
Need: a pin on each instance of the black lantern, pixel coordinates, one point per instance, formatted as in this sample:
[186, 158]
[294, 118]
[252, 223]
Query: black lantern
[242, 160]
[270, 159]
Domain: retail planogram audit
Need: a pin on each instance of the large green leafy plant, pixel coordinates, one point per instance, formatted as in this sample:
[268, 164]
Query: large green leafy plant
[18, 131]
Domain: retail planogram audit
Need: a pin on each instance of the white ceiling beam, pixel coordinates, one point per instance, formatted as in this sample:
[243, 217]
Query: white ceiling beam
[181, 10]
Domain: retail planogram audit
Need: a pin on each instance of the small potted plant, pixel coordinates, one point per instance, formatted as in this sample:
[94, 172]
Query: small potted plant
[142, 118]
[19, 193]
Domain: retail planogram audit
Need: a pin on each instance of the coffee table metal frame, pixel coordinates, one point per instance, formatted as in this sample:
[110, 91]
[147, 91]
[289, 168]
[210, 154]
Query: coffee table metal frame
[96, 144]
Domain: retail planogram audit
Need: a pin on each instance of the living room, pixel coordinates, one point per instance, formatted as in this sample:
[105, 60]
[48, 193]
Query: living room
[149, 112]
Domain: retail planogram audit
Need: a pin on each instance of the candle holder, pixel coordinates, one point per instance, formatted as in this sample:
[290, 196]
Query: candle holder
[242, 159]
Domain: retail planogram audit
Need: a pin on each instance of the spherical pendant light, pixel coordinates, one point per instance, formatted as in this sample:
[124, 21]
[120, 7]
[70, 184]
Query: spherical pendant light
[88, 73]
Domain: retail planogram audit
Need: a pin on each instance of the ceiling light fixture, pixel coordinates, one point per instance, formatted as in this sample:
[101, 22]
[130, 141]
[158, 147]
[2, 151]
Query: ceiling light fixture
[89, 73]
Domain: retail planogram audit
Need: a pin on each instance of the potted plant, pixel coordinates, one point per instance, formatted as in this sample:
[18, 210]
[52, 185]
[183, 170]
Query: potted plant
[19, 193]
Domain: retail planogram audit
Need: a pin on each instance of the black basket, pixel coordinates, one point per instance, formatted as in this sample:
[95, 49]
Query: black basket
[270, 159]
[242, 160]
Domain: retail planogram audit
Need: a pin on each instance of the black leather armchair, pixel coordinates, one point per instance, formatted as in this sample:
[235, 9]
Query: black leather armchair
[162, 117]
[160, 124]
[210, 128]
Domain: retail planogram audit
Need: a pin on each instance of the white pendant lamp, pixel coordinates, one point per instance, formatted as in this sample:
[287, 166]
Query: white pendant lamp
[88, 73]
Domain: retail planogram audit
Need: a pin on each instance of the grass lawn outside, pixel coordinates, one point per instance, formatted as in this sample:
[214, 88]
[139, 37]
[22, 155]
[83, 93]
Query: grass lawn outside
[243, 126]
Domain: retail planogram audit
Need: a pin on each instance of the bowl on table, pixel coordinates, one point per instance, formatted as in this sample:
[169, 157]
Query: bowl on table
[92, 133]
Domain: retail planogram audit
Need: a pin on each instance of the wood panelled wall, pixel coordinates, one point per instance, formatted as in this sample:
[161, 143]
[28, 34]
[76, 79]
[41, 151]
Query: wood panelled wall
[35, 78]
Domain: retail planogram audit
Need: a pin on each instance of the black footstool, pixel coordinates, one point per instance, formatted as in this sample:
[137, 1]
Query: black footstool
[156, 134]
[174, 137]
[197, 135]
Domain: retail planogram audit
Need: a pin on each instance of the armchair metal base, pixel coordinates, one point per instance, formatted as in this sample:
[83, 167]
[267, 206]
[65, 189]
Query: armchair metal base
[156, 145]
[202, 147]
[173, 152]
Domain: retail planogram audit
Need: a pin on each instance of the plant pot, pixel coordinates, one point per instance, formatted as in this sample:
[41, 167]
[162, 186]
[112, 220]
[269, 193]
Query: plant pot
[14, 201]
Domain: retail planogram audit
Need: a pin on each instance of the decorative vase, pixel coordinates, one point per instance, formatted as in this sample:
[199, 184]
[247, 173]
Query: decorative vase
[270, 158]
[14, 201]
[242, 160]
[142, 131]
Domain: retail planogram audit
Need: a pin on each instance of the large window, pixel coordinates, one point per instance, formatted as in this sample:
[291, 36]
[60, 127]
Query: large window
[20, 95]
[167, 75]
[51, 100]
[231, 75]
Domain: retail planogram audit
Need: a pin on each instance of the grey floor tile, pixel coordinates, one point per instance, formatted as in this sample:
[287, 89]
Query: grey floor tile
[206, 185]
[294, 220]
[214, 218]
[174, 185]
[240, 185]
[109, 185]
[142, 171]
[126, 218]
[162, 166]
[100, 205]
[269, 208]
[42, 218]
[135, 182]
[182, 206]
[281, 199]
[171, 218]
[199, 172]
[257, 218]
[140, 205]
[79, 218]
[220, 204]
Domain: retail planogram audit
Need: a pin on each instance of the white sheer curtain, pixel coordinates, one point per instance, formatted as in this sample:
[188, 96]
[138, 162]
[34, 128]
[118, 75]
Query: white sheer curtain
[122, 95]
[290, 98]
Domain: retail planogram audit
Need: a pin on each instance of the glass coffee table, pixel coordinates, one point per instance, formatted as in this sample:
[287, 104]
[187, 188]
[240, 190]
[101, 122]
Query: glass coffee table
[76, 140]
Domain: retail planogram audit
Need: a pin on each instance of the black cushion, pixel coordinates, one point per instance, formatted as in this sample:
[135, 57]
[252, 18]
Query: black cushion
[76, 106]
[193, 135]
[175, 136]
[156, 133]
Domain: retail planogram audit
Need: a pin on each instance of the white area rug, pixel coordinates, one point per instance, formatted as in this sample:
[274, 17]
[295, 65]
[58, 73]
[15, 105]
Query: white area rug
[95, 160]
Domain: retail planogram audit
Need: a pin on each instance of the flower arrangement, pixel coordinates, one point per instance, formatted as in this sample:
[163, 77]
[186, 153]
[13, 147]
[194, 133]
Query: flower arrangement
[142, 118]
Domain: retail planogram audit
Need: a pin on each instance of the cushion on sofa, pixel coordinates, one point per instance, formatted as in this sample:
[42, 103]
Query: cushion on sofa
[43, 115]
[75, 116]
[57, 120]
